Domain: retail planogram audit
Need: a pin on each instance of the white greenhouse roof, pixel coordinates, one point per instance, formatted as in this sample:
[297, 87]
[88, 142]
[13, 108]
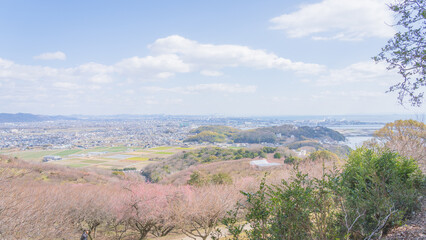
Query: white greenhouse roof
[263, 163]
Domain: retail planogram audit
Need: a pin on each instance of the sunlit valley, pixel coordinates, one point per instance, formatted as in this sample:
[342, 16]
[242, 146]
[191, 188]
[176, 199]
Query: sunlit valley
[212, 120]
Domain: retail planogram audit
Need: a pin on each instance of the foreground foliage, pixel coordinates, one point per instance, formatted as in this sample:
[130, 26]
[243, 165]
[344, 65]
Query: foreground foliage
[375, 191]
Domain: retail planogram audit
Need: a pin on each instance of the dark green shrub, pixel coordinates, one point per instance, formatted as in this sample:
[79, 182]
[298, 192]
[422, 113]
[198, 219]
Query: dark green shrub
[277, 155]
[324, 155]
[198, 179]
[291, 207]
[290, 159]
[281, 211]
[269, 149]
[221, 178]
[380, 187]
[262, 155]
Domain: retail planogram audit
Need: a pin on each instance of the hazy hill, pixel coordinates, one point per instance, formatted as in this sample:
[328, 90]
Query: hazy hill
[27, 117]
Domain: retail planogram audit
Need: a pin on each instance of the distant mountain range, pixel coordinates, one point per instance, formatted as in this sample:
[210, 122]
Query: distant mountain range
[27, 117]
[318, 120]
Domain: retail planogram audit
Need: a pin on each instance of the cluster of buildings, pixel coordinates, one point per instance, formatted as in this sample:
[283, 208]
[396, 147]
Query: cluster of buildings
[89, 134]
[140, 131]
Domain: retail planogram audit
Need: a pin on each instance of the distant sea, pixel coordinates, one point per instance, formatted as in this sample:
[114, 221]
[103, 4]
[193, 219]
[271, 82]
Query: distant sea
[356, 128]
[357, 134]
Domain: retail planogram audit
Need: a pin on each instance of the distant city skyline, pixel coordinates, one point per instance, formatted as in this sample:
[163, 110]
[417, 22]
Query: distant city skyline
[232, 58]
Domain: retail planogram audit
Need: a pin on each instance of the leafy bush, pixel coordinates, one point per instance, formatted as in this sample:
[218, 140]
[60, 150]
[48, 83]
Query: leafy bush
[382, 187]
[277, 155]
[269, 149]
[281, 211]
[197, 179]
[324, 155]
[221, 178]
[200, 179]
[291, 159]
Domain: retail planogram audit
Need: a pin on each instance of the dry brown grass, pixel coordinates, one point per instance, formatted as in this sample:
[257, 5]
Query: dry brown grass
[241, 169]
[50, 191]
[52, 173]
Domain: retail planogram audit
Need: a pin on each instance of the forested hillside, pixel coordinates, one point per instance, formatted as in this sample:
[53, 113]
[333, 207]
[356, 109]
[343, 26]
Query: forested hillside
[284, 133]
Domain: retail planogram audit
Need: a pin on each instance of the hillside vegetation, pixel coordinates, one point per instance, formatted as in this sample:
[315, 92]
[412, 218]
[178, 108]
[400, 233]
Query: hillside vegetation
[157, 171]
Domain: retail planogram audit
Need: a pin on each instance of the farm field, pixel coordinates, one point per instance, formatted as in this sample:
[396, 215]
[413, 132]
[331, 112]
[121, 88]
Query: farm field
[116, 157]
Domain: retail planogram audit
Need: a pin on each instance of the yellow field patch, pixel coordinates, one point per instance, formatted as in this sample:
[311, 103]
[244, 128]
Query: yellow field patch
[135, 159]
[161, 148]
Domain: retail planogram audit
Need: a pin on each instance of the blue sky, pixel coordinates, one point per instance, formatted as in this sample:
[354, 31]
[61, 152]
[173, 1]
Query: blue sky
[234, 58]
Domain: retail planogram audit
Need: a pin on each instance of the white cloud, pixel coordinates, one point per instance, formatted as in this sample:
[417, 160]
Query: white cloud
[101, 78]
[219, 56]
[95, 84]
[51, 56]
[172, 101]
[221, 87]
[349, 94]
[5, 63]
[171, 55]
[208, 87]
[367, 71]
[151, 102]
[66, 85]
[162, 63]
[95, 68]
[163, 101]
[211, 73]
[165, 75]
[338, 19]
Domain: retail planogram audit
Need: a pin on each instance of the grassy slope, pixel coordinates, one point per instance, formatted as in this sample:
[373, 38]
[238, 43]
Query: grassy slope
[241, 168]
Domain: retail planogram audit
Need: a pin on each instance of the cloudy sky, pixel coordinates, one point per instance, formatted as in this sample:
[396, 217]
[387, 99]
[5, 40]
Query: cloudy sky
[236, 58]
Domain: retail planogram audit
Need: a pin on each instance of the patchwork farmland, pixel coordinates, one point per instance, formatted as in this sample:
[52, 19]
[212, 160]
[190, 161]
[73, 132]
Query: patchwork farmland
[117, 157]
